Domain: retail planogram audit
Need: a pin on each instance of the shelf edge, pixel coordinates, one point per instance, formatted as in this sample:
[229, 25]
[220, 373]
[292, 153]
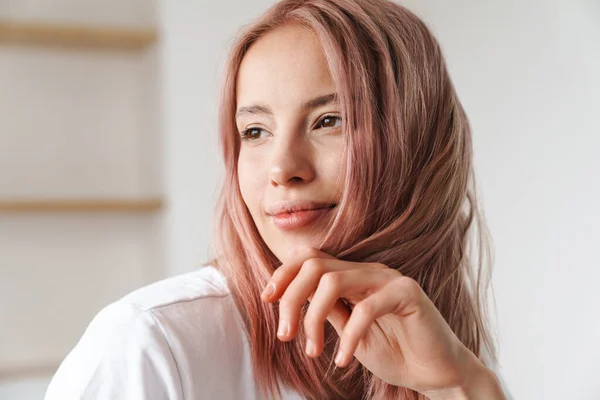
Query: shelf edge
[75, 36]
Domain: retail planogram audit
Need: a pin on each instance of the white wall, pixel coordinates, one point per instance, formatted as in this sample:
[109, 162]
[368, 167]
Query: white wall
[526, 72]
[73, 124]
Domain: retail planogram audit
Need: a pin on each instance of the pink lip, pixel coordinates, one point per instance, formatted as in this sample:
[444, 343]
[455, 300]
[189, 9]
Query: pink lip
[294, 214]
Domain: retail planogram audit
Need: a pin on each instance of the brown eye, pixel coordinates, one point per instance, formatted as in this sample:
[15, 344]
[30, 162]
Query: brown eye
[253, 133]
[329, 121]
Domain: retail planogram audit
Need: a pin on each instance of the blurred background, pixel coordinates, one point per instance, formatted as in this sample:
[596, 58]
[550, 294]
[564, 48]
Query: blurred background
[109, 166]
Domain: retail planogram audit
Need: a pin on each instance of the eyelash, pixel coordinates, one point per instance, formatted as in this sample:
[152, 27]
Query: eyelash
[244, 135]
[324, 117]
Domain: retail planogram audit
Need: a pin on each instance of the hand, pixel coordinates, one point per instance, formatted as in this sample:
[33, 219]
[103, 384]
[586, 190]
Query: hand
[383, 318]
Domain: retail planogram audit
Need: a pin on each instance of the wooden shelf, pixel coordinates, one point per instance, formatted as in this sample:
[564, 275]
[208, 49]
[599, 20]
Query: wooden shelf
[75, 36]
[82, 205]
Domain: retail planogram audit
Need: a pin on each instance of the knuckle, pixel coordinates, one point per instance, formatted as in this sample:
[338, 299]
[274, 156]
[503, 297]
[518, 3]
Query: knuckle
[364, 309]
[332, 280]
[314, 266]
[378, 265]
[392, 274]
[407, 284]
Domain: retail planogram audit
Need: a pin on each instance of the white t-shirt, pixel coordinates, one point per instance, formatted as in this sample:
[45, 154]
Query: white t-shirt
[180, 338]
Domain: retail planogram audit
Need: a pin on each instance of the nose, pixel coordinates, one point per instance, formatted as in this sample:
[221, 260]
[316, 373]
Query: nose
[291, 163]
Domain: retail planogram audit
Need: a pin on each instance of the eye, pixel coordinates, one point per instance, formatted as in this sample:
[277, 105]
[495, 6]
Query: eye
[329, 121]
[253, 134]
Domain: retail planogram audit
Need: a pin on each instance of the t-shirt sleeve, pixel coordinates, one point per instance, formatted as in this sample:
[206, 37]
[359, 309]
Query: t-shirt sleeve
[123, 354]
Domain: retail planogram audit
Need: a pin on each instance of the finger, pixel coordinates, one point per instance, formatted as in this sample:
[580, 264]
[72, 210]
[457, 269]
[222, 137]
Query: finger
[299, 291]
[401, 297]
[338, 316]
[284, 275]
[355, 284]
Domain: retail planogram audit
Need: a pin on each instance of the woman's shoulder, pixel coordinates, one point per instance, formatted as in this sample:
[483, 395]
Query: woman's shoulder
[165, 340]
[189, 288]
[185, 307]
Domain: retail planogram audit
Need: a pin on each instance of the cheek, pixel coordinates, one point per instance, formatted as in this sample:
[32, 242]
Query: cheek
[252, 179]
[333, 169]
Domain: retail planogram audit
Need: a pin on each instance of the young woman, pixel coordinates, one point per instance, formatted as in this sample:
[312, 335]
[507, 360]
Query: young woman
[343, 261]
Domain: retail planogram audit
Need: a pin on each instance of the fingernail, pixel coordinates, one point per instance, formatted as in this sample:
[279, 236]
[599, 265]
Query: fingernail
[310, 348]
[269, 290]
[339, 358]
[284, 328]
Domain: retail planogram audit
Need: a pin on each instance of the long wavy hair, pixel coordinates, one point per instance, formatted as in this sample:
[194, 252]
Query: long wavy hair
[408, 154]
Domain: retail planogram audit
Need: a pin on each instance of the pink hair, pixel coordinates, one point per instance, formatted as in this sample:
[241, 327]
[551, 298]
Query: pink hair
[409, 154]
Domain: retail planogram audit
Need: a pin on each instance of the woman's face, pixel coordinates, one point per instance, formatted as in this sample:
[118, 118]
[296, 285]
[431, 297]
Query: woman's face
[290, 161]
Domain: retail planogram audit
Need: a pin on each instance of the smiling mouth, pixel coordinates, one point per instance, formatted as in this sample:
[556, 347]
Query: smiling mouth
[297, 219]
[314, 209]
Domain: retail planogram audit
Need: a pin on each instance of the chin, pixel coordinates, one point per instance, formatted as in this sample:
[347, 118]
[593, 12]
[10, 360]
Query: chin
[282, 247]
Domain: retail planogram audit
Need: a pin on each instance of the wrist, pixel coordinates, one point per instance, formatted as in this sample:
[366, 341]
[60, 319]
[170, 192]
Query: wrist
[480, 383]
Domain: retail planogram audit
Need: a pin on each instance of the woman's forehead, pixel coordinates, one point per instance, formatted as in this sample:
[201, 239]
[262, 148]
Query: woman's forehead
[285, 65]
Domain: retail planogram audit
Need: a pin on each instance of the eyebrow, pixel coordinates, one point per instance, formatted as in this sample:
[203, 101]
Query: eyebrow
[319, 101]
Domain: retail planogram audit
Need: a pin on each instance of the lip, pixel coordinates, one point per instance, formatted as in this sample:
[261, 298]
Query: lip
[295, 214]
